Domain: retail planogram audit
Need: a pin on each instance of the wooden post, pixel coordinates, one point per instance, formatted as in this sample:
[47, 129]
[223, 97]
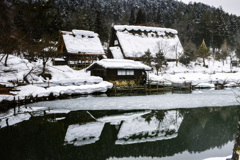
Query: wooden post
[48, 84]
[18, 101]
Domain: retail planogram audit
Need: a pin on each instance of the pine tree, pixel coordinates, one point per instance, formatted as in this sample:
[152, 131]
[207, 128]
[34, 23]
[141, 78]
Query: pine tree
[159, 17]
[159, 61]
[203, 52]
[147, 58]
[141, 17]
[101, 28]
[132, 17]
[224, 51]
[218, 29]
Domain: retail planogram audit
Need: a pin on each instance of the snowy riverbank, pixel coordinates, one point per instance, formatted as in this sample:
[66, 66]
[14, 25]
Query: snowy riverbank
[216, 72]
[64, 80]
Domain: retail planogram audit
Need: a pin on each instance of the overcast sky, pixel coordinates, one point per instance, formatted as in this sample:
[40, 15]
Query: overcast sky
[230, 6]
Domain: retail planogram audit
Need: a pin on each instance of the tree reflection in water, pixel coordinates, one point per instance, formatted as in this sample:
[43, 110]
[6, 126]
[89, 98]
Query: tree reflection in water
[236, 149]
[121, 134]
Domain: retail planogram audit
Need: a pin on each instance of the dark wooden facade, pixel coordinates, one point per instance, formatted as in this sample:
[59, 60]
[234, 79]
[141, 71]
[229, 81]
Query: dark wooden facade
[235, 63]
[109, 74]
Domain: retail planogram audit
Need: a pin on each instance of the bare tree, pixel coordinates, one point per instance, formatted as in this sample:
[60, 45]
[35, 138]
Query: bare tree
[176, 49]
[45, 51]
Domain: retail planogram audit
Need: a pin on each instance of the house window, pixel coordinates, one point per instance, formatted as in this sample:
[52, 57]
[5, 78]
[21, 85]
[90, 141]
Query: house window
[125, 72]
[130, 72]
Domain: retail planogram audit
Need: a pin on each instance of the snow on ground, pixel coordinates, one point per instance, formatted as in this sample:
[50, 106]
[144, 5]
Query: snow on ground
[219, 158]
[20, 114]
[64, 79]
[195, 73]
[68, 81]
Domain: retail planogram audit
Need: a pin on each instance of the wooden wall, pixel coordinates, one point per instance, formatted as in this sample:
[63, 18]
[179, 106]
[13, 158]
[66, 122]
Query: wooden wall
[112, 74]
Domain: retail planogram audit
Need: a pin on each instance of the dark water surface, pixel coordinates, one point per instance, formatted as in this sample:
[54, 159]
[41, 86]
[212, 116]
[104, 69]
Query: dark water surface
[196, 133]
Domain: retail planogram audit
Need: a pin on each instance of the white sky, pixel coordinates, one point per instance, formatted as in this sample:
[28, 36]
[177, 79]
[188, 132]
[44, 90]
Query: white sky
[230, 6]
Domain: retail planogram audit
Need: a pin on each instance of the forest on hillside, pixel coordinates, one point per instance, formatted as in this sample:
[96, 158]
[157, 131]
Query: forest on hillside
[28, 26]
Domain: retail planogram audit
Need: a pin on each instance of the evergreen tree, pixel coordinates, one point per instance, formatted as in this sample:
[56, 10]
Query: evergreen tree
[188, 56]
[147, 58]
[159, 17]
[204, 29]
[101, 28]
[159, 61]
[225, 50]
[141, 17]
[218, 29]
[132, 17]
[203, 52]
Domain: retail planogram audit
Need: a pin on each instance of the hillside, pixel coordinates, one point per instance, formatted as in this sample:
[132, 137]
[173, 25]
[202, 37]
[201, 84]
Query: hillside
[41, 19]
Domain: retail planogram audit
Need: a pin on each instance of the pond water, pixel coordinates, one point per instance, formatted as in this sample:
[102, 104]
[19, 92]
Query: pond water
[82, 128]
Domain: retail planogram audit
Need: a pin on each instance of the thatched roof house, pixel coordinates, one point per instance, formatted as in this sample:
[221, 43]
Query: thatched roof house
[131, 42]
[79, 45]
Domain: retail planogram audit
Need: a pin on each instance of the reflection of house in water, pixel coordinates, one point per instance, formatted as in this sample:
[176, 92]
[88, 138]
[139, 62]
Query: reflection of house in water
[140, 129]
[79, 135]
[91, 138]
[145, 128]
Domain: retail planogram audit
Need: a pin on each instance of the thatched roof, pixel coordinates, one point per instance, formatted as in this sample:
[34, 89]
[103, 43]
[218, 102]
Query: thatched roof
[134, 41]
[82, 42]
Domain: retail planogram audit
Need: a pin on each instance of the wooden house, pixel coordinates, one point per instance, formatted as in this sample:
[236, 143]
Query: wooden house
[120, 70]
[59, 61]
[80, 48]
[131, 42]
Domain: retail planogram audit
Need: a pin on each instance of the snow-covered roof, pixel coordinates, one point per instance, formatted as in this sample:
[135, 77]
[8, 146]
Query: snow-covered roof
[121, 64]
[136, 40]
[81, 41]
[59, 59]
[116, 52]
[145, 28]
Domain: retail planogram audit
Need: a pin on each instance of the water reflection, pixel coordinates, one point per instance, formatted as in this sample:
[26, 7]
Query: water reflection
[105, 134]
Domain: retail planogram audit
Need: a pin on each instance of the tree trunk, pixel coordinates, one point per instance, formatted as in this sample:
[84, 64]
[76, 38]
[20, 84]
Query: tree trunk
[44, 68]
[157, 69]
[25, 77]
[5, 63]
[204, 64]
